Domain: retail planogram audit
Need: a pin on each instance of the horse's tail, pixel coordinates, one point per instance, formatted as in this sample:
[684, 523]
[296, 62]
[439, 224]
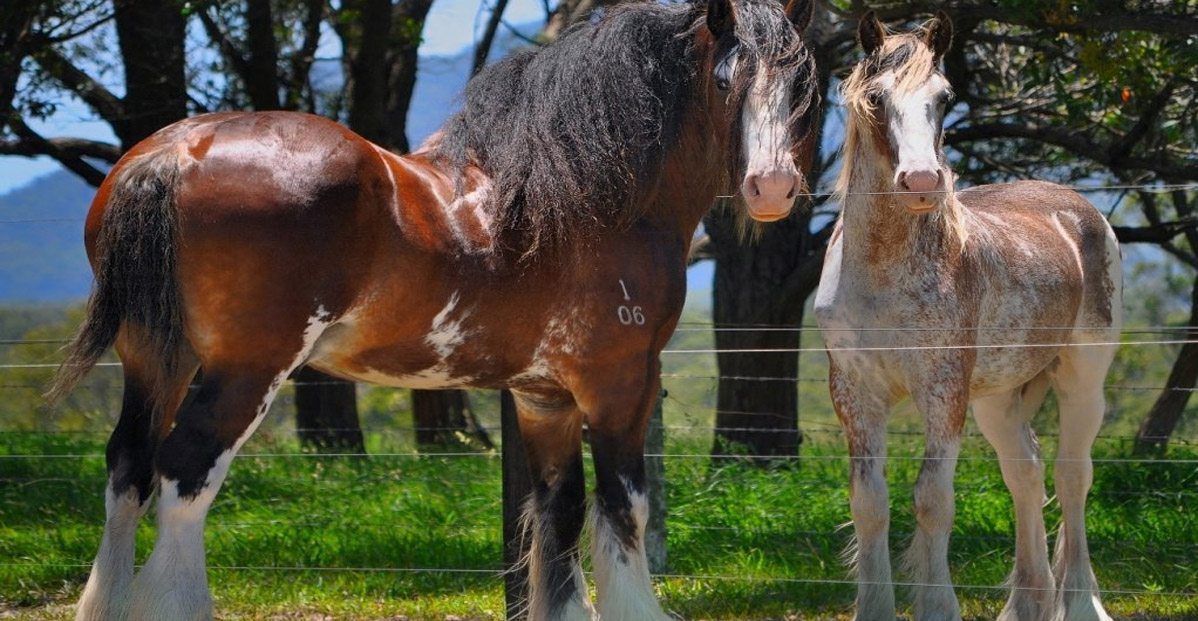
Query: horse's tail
[135, 257]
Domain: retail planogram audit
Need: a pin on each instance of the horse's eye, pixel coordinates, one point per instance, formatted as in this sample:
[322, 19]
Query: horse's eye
[874, 99]
[724, 69]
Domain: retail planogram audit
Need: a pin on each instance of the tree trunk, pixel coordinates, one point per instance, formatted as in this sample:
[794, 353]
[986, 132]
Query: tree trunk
[151, 35]
[1162, 419]
[326, 413]
[366, 81]
[757, 401]
[262, 79]
[441, 415]
[407, 24]
[517, 487]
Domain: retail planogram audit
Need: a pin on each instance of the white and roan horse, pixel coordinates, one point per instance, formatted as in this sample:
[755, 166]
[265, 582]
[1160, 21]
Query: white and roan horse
[985, 296]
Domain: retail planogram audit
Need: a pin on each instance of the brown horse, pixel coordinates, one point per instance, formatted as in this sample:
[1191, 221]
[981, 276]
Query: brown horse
[537, 243]
[985, 296]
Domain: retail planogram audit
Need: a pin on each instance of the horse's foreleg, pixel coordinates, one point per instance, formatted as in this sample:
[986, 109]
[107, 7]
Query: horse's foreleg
[556, 512]
[943, 406]
[1003, 420]
[192, 464]
[618, 426]
[131, 484]
[863, 417]
[1078, 381]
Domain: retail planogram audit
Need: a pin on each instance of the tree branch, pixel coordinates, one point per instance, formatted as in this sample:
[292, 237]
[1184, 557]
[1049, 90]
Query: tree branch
[1154, 234]
[1078, 144]
[1159, 23]
[483, 49]
[107, 105]
[68, 151]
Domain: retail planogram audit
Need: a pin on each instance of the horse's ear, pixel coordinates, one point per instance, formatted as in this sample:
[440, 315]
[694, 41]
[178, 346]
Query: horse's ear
[721, 17]
[799, 13]
[870, 33]
[940, 34]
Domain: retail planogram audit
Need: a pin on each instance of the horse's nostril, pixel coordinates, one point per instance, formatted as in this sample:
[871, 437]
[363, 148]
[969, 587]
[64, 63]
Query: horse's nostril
[791, 193]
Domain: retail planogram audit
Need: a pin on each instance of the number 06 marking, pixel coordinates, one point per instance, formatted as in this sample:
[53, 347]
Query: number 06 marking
[629, 316]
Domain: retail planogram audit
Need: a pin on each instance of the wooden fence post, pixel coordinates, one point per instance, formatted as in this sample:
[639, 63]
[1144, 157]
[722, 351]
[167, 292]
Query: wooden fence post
[517, 485]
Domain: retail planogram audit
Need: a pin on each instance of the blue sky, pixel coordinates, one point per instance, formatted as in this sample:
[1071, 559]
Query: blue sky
[451, 26]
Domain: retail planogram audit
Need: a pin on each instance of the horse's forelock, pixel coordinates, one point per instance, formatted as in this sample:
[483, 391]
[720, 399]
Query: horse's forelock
[769, 40]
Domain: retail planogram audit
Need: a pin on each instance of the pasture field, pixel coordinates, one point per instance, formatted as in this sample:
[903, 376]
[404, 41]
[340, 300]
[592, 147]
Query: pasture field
[409, 534]
[299, 536]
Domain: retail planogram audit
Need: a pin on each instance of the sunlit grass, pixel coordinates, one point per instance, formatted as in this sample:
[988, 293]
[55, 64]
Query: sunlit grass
[303, 536]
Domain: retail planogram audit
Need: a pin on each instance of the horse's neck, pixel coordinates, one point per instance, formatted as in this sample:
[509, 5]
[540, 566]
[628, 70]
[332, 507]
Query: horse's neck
[692, 175]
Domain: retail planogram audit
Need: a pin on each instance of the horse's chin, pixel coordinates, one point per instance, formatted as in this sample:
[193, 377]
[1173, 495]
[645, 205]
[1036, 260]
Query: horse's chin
[921, 203]
[768, 215]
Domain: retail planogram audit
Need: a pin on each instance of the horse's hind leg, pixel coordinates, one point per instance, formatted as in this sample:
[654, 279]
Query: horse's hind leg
[618, 424]
[556, 511]
[131, 481]
[234, 394]
[1078, 382]
[1003, 420]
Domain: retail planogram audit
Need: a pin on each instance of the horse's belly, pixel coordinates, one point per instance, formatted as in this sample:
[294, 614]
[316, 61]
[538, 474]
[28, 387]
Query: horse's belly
[445, 358]
[999, 369]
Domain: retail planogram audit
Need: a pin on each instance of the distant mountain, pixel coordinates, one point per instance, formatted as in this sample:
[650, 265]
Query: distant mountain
[41, 241]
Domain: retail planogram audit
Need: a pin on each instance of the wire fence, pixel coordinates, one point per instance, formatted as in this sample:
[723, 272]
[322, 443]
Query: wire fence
[687, 423]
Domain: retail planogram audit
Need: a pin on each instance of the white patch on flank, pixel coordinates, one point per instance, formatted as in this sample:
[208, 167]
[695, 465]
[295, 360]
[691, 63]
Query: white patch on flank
[106, 595]
[455, 212]
[446, 334]
[1060, 227]
[444, 337]
[622, 581]
[564, 334]
[173, 584]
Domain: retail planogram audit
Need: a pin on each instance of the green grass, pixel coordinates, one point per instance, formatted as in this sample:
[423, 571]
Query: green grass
[744, 543]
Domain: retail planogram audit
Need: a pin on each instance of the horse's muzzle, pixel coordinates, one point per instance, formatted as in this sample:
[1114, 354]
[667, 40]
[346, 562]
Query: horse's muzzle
[770, 196]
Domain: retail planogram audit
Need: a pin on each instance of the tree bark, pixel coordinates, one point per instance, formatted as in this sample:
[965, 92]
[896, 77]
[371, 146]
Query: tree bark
[441, 415]
[326, 413]
[517, 487]
[262, 76]
[150, 34]
[366, 81]
[756, 402]
[402, 64]
[1162, 419]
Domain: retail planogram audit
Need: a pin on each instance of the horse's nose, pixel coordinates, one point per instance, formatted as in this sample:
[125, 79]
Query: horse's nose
[925, 180]
[771, 195]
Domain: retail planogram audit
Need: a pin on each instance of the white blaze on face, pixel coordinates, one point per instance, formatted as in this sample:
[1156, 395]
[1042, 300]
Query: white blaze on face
[913, 122]
[771, 178]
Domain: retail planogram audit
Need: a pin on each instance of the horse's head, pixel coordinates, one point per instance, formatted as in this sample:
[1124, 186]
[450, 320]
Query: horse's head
[897, 97]
[762, 78]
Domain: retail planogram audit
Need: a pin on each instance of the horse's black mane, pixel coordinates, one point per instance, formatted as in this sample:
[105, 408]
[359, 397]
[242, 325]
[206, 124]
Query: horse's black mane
[574, 133]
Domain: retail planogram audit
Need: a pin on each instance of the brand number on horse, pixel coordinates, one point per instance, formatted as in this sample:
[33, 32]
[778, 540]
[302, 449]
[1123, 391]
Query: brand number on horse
[629, 315]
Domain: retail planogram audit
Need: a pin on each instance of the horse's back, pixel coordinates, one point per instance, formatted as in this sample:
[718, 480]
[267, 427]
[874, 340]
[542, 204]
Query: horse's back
[279, 218]
[1044, 221]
